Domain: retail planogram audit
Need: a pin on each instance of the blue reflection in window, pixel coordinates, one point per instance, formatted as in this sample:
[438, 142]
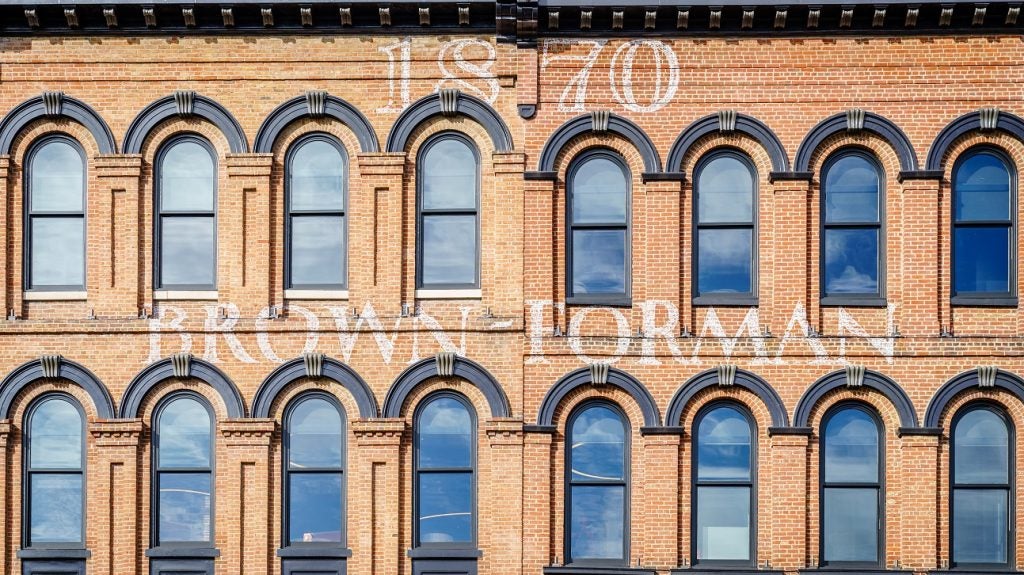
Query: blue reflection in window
[983, 224]
[598, 225]
[852, 235]
[597, 461]
[186, 215]
[981, 488]
[726, 260]
[851, 487]
[55, 215]
[724, 479]
[54, 472]
[184, 434]
[314, 470]
[183, 471]
[723, 445]
[445, 430]
[983, 259]
[725, 205]
[317, 182]
[448, 213]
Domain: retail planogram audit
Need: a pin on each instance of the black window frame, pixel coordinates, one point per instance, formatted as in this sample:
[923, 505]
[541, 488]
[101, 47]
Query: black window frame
[28, 216]
[291, 213]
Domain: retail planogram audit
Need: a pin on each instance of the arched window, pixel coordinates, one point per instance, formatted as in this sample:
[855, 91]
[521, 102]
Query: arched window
[598, 253]
[597, 489]
[316, 254]
[984, 236]
[186, 221]
[314, 484]
[183, 473]
[54, 473]
[851, 498]
[445, 462]
[723, 479]
[55, 216]
[852, 237]
[448, 203]
[725, 246]
[981, 505]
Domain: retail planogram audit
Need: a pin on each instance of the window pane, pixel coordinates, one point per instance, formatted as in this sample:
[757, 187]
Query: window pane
[598, 445]
[187, 247]
[851, 261]
[597, 522]
[185, 507]
[448, 176]
[56, 514]
[982, 189]
[981, 444]
[318, 250]
[851, 525]
[723, 523]
[184, 434]
[446, 507]
[58, 252]
[57, 177]
[317, 177]
[598, 261]
[723, 445]
[314, 507]
[851, 447]
[56, 436]
[982, 259]
[851, 191]
[725, 191]
[449, 250]
[446, 434]
[187, 178]
[724, 261]
[599, 192]
[979, 525]
[314, 435]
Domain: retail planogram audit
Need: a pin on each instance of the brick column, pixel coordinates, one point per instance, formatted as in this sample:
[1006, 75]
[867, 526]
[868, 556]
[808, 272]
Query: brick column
[920, 311]
[114, 232]
[244, 269]
[244, 496]
[539, 261]
[375, 497]
[376, 269]
[5, 501]
[790, 256]
[538, 514]
[787, 502]
[662, 201]
[113, 502]
[500, 508]
[10, 283]
[527, 67]
[661, 500]
[920, 462]
[501, 253]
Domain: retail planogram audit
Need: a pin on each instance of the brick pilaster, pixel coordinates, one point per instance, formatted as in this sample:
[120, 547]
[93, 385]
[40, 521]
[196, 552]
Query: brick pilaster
[538, 514]
[790, 259]
[500, 507]
[787, 496]
[924, 269]
[114, 287]
[539, 261]
[5, 502]
[376, 226]
[501, 254]
[244, 268]
[920, 462]
[244, 496]
[374, 529]
[113, 501]
[661, 500]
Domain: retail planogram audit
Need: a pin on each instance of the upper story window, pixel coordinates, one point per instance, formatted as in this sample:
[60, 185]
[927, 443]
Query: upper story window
[186, 220]
[445, 472]
[183, 473]
[852, 235]
[724, 487]
[54, 473]
[984, 237]
[55, 215]
[598, 239]
[597, 491]
[314, 471]
[725, 250]
[981, 502]
[448, 204]
[317, 224]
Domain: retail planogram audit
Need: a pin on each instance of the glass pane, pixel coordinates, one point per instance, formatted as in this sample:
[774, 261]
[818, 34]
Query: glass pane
[187, 249]
[723, 523]
[58, 252]
[982, 189]
[445, 430]
[57, 178]
[851, 261]
[448, 176]
[723, 445]
[446, 507]
[982, 259]
[981, 448]
[314, 507]
[851, 191]
[56, 436]
[184, 440]
[851, 447]
[317, 177]
[187, 178]
[599, 192]
[314, 435]
[56, 514]
[724, 261]
[449, 250]
[598, 445]
[318, 250]
[184, 507]
[850, 527]
[598, 261]
[979, 525]
[725, 191]
[597, 523]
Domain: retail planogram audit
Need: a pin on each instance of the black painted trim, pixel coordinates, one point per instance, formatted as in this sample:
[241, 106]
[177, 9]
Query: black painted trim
[437, 553]
[745, 379]
[664, 177]
[806, 431]
[874, 123]
[542, 176]
[295, 370]
[581, 377]
[854, 301]
[855, 571]
[466, 105]
[745, 124]
[54, 554]
[583, 570]
[165, 108]
[28, 373]
[1007, 122]
[920, 175]
[175, 565]
[314, 566]
[1005, 380]
[994, 570]
[581, 125]
[319, 552]
[540, 429]
[48, 566]
[724, 299]
[162, 370]
[724, 571]
[663, 430]
[297, 108]
[426, 369]
[183, 552]
[919, 431]
[872, 380]
[983, 301]
[34, 108]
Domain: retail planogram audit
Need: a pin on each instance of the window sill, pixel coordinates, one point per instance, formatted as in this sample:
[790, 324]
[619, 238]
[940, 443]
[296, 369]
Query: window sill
[168, 294]
[183, 552]
[983, 301]
[444, 553]
[857, 571]
[701, 570]
[853, 301]
[725, 300]
[36, 553]
[449, 294]
[316, 294]
[314, 552]
[597, 570]
[975, 571]
[54, 296]
[600, 300]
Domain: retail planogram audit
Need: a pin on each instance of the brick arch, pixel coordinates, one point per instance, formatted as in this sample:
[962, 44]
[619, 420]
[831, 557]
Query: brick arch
[295, 369]
[465, 105]
[464, 368]
[160, 371]
[711, 124]
[873, 123]
[298, 108]
[744, 379]
[581, 125]
[1005, 380]
[165, 108]
[35, 108]
[1005, 122]
[32, 371]
[872, 380]
[616, 378]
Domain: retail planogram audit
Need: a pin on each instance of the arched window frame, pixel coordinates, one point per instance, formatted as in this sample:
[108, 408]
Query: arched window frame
[293, 149]
[30, 216]
[578, 162]
[696, 483]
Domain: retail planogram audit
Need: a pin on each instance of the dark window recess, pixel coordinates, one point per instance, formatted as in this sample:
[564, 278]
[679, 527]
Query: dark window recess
[55, 202]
